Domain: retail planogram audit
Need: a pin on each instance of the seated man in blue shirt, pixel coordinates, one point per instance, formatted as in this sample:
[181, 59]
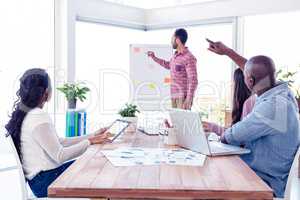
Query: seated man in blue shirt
[271, 131]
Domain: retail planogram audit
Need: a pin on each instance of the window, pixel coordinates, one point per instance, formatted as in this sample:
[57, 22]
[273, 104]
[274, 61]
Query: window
[277, 36]
[27, 41]
[102, 61]
[102, 54]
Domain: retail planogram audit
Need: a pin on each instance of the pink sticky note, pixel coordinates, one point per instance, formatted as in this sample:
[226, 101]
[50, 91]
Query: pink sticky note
[136, 49]
[167, 80]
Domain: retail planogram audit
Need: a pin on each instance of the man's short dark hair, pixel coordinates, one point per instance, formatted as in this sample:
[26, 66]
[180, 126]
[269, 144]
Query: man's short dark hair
[182, 35]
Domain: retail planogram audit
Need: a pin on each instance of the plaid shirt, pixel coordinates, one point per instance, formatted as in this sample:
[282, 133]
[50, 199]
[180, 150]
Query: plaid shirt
[183, 72]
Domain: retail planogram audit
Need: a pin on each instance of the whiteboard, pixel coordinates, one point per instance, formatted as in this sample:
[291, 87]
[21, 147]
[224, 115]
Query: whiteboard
[150, 81]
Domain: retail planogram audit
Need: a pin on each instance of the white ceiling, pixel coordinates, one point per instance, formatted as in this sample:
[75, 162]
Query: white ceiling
[150, 4]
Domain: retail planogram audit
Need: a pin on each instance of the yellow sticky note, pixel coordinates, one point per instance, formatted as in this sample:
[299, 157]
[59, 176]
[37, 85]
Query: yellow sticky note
[152, 86]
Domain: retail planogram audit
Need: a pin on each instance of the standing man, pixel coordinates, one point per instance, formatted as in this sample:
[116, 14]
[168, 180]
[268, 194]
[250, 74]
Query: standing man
[183, 71]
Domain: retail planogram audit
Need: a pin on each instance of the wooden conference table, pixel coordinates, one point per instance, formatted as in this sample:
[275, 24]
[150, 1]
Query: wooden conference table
[93, 176]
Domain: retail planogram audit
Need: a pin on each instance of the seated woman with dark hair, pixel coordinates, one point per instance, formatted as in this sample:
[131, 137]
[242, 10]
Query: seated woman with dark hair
[242, 104]
[42, 153]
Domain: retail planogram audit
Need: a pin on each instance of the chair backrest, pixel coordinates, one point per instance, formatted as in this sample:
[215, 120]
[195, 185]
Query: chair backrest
[20, 169]
[292, 190]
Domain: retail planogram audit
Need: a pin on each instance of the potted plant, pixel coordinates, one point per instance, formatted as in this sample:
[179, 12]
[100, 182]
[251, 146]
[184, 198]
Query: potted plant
[74, 91]
[129, 112]
[289, 77]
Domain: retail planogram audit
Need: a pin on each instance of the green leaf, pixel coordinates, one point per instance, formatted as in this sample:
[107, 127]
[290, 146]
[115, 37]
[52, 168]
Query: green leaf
[74, 91]
[129, 110]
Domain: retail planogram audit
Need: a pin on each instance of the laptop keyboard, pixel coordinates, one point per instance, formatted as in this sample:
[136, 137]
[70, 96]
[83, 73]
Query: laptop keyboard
[216, 147]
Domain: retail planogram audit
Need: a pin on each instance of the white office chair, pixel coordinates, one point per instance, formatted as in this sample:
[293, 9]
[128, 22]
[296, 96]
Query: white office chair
[292, 190]
[24, 191]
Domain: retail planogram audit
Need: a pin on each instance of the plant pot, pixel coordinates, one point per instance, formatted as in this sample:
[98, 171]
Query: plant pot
[72, 104]
[133, 123]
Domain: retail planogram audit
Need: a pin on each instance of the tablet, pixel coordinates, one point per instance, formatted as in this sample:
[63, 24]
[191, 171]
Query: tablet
[117, 128]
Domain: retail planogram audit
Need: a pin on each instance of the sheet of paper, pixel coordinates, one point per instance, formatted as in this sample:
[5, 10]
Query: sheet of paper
[153, 156]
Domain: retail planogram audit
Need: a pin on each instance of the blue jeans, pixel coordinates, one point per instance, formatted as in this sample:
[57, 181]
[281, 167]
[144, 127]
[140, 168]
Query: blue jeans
[40, 183]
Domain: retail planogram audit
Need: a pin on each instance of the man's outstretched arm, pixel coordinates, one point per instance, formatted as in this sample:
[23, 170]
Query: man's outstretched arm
[221, 49]
[162, 62]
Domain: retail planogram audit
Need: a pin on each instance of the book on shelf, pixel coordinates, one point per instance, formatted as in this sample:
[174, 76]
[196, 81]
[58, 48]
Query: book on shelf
[75, 122]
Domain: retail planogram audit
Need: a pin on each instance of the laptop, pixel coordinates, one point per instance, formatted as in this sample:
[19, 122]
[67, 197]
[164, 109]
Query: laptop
[191, 135]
